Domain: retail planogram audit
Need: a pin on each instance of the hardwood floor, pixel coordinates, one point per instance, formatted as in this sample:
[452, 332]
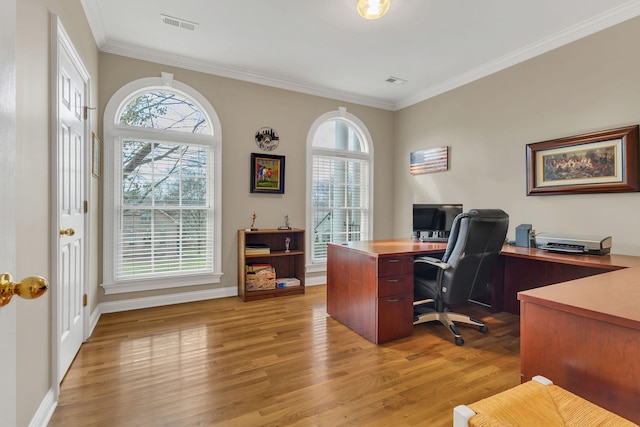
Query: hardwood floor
[278, 362]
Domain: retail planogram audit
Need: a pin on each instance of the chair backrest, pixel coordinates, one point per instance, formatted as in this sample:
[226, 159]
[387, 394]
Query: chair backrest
[473, 249]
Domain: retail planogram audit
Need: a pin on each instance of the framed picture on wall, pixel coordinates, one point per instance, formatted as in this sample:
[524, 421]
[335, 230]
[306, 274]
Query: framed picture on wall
[267, 173]
[599, 162]
[429, 161]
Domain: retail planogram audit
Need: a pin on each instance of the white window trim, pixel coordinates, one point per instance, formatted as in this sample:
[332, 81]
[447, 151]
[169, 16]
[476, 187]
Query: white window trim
[340, 113]
[112, 131]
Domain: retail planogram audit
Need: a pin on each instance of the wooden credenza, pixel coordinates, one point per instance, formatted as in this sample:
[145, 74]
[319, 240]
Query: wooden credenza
[370, 286]
[584, 335]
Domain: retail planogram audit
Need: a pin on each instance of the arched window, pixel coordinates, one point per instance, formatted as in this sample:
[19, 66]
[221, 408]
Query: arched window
[162, 188]
[340, 182]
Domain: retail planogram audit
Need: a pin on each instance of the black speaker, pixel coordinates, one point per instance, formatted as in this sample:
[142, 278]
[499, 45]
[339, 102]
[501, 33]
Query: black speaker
[523, 232]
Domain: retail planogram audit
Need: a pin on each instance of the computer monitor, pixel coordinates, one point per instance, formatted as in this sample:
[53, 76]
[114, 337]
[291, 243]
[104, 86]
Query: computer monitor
[434, 221]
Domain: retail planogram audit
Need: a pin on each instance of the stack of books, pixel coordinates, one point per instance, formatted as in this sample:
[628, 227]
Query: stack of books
[254, 268]
[257, 249]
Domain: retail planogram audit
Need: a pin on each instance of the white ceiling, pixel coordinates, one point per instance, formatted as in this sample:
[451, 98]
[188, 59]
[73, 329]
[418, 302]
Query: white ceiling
[323, 47]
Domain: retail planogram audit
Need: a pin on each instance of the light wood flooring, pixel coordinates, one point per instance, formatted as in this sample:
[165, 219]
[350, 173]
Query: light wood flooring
[278, 362]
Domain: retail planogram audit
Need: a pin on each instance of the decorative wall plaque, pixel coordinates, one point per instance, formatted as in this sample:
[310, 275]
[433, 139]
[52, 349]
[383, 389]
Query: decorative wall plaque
[428, 161]
[267, 139]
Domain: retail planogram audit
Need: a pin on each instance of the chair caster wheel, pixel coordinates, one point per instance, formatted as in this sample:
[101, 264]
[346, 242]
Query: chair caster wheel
[484, 329]
[459, 340]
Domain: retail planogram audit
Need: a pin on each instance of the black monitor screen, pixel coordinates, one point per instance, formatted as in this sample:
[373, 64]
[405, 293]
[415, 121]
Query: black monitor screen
[434, 217]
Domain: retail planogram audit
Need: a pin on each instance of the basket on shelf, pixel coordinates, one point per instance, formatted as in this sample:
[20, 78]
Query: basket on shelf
[261, 280]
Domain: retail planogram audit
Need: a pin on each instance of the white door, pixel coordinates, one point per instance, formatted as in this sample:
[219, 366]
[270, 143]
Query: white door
[8, 355]
[71, 148]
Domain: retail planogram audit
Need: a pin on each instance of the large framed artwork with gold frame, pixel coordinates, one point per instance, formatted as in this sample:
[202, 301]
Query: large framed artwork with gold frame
[598, 162]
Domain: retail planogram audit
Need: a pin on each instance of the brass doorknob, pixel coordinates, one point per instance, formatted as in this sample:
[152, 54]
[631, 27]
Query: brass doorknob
[67, 232]
[28, 288]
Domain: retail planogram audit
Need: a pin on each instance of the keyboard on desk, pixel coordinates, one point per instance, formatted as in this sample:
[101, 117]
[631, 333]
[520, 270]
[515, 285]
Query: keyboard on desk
[434, 239]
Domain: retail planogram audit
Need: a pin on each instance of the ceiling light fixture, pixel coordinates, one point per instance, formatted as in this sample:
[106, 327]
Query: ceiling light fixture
[372, 9]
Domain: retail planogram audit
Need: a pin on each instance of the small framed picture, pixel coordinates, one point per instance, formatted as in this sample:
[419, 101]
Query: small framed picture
[267, 173]
[96, 149]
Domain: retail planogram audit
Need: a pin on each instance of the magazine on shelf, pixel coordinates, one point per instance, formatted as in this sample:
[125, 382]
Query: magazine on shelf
[257, 249]
[287, 282]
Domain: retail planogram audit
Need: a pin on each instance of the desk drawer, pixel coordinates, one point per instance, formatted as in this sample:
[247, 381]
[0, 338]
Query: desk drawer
[394, 285]
[395, 317]
[392, 266]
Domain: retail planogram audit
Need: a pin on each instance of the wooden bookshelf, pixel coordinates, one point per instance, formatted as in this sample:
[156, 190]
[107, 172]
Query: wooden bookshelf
[286, 264]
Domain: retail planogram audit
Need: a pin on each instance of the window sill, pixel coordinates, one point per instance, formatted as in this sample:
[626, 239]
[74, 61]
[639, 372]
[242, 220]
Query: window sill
[160, 283]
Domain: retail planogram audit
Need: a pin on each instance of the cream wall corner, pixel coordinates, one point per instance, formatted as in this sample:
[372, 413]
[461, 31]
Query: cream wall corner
[589, 85]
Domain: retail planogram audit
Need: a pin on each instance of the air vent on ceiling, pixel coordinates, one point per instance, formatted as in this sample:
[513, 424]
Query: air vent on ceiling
[395, 80]
[180, 23]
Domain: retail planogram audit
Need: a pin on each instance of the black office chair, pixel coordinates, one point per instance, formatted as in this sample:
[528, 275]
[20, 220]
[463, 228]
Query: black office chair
[464, 271]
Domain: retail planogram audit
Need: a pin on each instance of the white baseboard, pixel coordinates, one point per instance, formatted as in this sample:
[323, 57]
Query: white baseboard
[45, 411]
[314, 281]
[93, 320]
[161, 300]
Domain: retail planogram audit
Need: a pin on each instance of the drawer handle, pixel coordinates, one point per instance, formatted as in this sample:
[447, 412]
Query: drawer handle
[395, 280]
[395, 299]
[393, 260]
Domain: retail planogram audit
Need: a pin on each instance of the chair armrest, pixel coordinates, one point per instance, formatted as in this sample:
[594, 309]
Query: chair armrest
[542, 380]
[461, 416]
[432, 261]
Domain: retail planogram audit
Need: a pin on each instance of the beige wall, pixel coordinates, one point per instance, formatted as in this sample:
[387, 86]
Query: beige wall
[243, 108]
[33, 192]
[592, 84]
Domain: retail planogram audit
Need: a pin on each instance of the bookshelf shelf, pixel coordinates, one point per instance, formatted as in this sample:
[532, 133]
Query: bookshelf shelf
[276, 254]
[286, 264]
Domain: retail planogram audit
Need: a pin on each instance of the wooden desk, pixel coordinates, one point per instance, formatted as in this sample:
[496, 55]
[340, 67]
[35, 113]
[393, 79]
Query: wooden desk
[370, 286]
[521, 268]
[584, 335]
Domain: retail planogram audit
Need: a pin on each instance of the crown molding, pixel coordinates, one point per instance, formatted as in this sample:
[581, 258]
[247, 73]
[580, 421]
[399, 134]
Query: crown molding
[94, 18]
[192, 64]
[612, 17]
[628, 10]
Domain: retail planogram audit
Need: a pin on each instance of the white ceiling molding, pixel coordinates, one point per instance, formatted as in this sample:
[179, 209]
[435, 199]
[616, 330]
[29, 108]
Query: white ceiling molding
[592, 26]
[246, 76]
[94, 17]
[384, 99]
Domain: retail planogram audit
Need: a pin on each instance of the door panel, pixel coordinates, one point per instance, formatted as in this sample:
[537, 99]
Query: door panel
[71, 216]
[8, 325]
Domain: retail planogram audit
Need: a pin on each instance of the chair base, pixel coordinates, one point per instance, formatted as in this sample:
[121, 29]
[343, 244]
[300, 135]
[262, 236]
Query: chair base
[447, 318]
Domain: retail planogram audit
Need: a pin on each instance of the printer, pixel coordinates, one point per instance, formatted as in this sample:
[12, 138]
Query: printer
[574, 244]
